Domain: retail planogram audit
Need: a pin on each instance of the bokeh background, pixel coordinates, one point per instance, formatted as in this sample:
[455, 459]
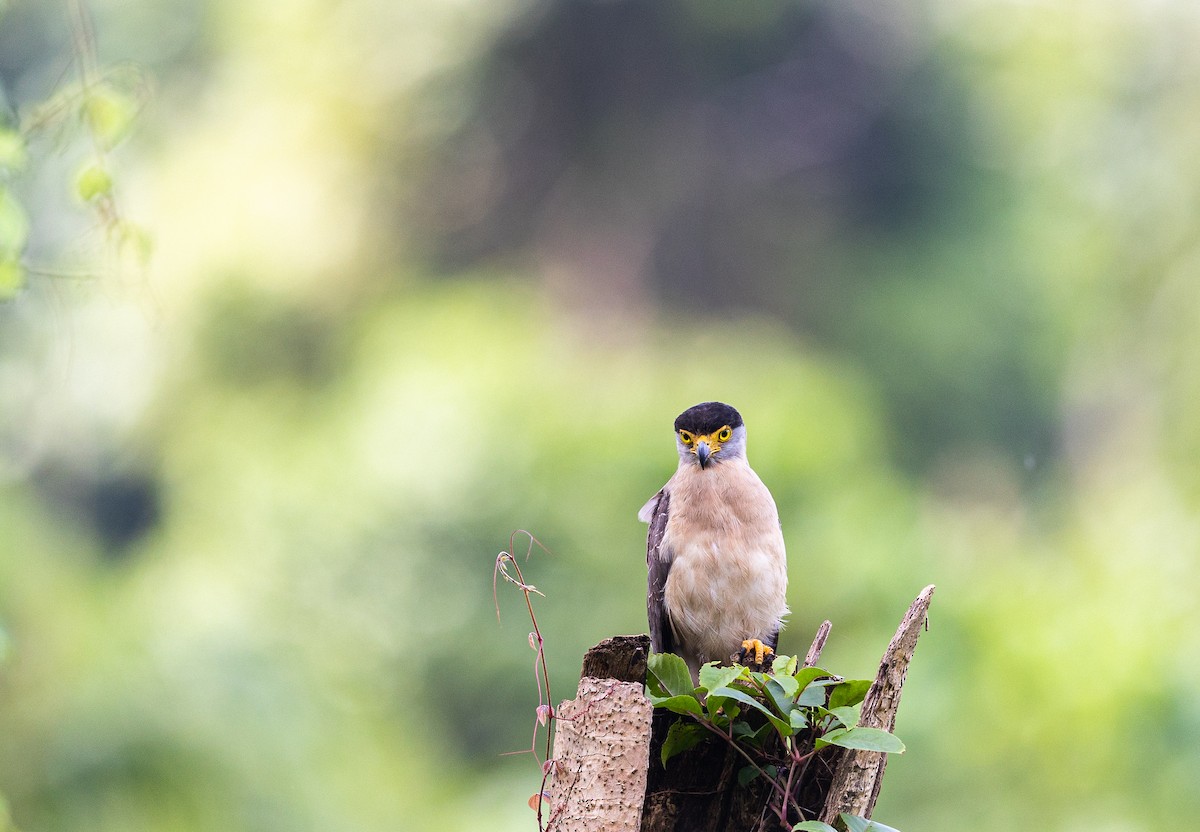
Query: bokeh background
[428, 272]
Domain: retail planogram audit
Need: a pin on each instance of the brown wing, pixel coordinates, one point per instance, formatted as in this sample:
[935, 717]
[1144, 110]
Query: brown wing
[658, 565]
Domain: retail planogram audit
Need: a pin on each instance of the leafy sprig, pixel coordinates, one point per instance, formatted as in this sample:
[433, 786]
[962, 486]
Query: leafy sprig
[100, 104]
[775, 720]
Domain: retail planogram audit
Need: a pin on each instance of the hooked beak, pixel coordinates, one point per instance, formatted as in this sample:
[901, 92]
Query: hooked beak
[703, 453]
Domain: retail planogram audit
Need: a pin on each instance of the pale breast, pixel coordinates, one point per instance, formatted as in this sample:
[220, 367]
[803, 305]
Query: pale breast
[728, 578]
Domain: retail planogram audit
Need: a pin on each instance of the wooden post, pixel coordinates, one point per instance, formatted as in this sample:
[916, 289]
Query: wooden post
[607, 775]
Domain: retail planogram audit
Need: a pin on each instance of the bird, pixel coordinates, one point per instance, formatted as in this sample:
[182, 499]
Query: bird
[715, 557]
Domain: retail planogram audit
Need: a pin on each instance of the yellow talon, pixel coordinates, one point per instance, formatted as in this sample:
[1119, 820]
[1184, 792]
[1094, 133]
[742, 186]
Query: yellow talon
[760, 650]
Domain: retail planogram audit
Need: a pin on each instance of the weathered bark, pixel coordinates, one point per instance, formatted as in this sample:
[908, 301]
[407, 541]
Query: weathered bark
[814, 652]
[607, 774]
[601, 743]
[859, 774]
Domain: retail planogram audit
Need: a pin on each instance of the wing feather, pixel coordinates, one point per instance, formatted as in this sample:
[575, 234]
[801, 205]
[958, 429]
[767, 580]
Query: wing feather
[658, 566]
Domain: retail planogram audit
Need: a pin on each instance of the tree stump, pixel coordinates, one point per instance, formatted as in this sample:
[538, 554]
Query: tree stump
[601, 738]
[606, 770]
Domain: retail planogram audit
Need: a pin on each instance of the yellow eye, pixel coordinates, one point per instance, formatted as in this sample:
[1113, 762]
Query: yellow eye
[724, 435]
[686, 438]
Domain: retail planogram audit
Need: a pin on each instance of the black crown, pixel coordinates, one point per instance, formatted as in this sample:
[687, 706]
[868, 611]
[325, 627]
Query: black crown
[708, 417]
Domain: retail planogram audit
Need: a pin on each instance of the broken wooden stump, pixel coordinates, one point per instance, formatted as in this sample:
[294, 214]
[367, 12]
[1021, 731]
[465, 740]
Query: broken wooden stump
[601, 739]
[859, 774]
[606, 769]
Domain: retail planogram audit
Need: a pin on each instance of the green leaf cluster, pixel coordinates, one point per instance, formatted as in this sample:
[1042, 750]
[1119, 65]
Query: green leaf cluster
[783, 701]
[778, 717]
[104, 109]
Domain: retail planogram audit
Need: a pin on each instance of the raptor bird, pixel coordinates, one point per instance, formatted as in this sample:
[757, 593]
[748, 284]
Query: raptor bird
[717, 571]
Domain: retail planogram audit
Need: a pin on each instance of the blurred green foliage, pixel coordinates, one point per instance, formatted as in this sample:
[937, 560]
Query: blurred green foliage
[426, 273]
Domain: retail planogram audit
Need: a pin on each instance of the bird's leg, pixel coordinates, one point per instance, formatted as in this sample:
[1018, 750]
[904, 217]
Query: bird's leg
[756, 655]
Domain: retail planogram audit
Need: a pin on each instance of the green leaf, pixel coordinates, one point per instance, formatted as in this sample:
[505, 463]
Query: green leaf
[109, 113]
[14, 225]
[722, 711]
[829, 738]
[784, 665]
[787, 683]
[672, 674]
[685, 704]
[746, 699]
[779, 695]
[798, 720]
[713, 676]
[813, 695]
[12, 279]
[12, 151]
[856, 824]
[680, 737]
[93, 182]
[813, 826]
[863, 739]
[850, 692]
[747, 736]
[806, 675]
[847, 715]
[742, 729]
[746, 774]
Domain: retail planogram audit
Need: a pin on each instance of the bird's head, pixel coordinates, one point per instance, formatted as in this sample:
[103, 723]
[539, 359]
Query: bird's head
[710, 433]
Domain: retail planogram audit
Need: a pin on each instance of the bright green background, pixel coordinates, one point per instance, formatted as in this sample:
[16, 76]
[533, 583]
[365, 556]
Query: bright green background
[251, 499]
